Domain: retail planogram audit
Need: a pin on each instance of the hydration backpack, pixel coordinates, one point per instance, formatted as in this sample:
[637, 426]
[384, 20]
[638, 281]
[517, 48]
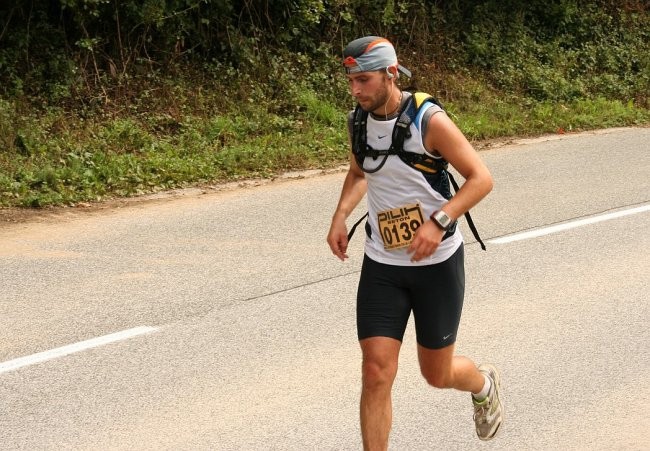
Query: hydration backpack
[426, 164]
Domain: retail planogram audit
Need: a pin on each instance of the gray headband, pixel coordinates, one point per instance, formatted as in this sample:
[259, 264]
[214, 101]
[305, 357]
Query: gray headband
[369, 54]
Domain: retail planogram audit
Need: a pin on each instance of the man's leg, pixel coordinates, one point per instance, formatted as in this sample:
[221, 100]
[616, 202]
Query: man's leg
[442, 369]
[383, 310]
[379, 367]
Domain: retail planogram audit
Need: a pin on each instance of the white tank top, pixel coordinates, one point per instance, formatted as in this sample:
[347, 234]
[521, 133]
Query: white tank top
[397, 185]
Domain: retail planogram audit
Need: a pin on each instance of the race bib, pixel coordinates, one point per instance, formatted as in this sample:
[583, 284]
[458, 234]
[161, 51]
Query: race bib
[398, 226]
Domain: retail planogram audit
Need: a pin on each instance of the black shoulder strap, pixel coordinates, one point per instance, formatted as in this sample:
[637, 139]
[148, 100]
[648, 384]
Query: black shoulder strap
[470, 221]
[356, 224]
[359, 120]
[401, 130]
[360, 147]
[409, 112]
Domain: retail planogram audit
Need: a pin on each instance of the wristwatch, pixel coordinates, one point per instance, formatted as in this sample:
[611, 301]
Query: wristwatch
[442, 220]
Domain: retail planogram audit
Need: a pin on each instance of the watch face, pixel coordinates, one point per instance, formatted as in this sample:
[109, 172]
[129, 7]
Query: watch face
[443, 219]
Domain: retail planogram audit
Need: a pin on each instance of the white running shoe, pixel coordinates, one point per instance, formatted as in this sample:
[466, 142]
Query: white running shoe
[488, 413]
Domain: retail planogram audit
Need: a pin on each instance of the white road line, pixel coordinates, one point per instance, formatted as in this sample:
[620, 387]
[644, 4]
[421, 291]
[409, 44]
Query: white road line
[76, 347]
[568, 225]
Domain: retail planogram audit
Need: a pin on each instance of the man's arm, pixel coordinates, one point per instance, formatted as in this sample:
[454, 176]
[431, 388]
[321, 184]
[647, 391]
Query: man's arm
[443, 137]
[354, 188]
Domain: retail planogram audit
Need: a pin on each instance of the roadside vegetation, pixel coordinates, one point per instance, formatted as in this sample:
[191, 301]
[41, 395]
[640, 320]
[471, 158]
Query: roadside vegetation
[102, 99]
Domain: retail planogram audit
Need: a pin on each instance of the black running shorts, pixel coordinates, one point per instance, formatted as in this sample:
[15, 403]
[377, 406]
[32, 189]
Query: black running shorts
[387, 294]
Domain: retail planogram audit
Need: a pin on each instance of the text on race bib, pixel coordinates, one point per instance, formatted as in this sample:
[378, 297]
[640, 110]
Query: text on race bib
[398, 226]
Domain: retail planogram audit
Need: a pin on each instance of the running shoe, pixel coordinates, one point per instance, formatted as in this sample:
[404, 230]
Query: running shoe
[488, 413]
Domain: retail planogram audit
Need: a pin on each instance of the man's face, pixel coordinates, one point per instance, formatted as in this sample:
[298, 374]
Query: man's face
[371, 89]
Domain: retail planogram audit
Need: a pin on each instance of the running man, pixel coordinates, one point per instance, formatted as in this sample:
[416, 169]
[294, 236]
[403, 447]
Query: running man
[414, 254]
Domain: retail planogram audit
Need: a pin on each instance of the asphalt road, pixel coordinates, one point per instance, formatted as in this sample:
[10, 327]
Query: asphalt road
[250, 340]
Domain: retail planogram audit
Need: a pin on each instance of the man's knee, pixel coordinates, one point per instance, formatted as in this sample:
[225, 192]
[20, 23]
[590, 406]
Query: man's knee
[437, 378]
[377, 374]
[436, 366]
[379, 365]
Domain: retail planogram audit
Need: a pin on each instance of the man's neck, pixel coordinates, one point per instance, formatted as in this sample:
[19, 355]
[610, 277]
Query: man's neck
[392, 106]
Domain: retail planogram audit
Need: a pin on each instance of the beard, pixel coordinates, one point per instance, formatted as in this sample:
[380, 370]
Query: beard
[379, 100]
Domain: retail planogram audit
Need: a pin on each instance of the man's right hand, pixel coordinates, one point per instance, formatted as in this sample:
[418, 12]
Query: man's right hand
[337, 238]
[354, 188]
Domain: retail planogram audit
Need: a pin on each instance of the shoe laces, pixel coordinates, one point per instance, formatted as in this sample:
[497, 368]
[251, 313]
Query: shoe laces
[481, 410]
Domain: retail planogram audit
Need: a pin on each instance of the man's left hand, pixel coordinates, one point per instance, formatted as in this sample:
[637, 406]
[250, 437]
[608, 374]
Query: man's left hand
[426, 241]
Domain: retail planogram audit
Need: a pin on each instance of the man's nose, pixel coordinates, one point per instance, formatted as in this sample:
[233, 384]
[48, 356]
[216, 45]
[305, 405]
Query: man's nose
[355, 89]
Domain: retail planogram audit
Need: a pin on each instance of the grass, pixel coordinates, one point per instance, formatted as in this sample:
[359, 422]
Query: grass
[53, 157]
[535, 118]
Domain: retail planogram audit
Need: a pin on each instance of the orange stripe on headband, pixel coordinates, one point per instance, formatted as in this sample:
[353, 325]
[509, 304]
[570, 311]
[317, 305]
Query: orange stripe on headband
[376, 42]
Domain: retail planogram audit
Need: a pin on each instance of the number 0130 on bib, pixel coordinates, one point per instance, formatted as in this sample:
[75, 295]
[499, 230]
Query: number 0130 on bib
[398, 226]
